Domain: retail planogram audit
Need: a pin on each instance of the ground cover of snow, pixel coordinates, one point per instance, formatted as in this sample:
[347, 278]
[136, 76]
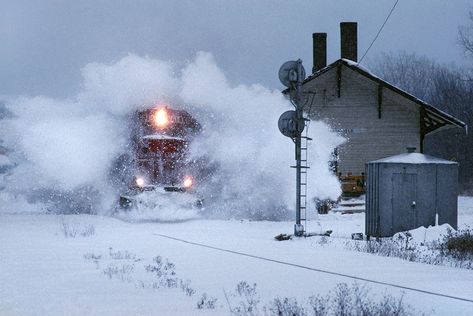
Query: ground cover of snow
[100, 269]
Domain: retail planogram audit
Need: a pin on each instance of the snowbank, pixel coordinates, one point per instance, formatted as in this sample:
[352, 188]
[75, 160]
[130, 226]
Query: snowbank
[422, 235]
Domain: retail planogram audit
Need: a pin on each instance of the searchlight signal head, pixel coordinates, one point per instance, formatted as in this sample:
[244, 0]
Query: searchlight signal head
[291, 72]
[290, 125]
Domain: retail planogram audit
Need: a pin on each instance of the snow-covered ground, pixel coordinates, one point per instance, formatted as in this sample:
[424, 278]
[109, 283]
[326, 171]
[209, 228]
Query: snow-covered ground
[102, 270]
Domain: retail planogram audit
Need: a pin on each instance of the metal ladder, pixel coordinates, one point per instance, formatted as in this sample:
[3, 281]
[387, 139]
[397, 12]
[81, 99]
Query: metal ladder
[304, 171]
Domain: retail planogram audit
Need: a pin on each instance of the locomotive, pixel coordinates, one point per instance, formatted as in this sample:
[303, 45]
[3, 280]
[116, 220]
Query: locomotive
[158, 156]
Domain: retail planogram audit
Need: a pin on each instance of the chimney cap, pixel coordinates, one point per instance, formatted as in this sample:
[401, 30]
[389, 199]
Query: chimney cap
[347, 22]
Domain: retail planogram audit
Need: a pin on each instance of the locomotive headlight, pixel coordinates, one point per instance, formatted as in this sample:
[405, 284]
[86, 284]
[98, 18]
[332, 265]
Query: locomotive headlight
[140, 182]
[161, 118]
[187, 182]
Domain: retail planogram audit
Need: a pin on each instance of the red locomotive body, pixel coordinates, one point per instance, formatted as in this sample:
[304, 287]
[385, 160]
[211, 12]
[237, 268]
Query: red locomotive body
[159, 145]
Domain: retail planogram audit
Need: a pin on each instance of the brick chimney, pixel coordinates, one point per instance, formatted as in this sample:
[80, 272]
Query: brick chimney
[319, 41]
[349, 40]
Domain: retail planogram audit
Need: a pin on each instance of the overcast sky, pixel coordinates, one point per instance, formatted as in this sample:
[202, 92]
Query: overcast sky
[44, 44]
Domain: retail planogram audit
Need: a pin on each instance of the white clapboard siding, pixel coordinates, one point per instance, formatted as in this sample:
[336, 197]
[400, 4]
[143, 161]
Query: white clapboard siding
[355, 116]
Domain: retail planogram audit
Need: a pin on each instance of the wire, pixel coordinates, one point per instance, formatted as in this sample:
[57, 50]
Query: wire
[309, 111]
[381, 28]
[315, 269]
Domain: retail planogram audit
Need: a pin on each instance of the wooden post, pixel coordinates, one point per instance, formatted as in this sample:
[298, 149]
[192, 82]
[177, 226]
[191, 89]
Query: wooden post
[422, 129]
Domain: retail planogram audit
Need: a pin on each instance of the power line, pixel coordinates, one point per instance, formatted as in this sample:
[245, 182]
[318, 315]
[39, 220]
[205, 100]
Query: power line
[380, 29]
[315, 269]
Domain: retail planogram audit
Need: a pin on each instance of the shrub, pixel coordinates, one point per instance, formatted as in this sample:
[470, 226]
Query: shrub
[456, 249]
[164, 271]
[385, 247]
[286, 307]
[389, 305]
[248, 300]
[459, 245]
[74, 229]
[186, 288]
[121, 255]
[206, 302]
[93, 257]
[357, 300]
[122, 272]
[344, 300]
[319, 305]
[323, 241]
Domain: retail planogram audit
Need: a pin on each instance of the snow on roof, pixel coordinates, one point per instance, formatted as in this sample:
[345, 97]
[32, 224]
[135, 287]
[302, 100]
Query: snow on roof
[414, 158]
[161, 137]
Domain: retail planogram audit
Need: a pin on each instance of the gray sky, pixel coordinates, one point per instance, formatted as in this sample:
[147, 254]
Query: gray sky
[44, 44]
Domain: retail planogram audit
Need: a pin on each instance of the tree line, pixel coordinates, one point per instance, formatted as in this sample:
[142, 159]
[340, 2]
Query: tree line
[447, 87]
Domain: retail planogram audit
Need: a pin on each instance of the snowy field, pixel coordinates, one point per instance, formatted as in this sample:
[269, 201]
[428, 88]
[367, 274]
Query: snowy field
[104, 266]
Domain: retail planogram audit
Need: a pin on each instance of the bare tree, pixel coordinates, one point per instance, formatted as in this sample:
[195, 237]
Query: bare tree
[465, 35]
[409, 72]
[450, 89]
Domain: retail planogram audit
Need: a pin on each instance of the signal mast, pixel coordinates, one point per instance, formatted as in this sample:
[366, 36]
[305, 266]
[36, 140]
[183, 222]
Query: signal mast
[291, 124]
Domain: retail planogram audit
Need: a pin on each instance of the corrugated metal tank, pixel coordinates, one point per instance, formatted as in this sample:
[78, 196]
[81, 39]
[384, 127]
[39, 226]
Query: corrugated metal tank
[407, 191]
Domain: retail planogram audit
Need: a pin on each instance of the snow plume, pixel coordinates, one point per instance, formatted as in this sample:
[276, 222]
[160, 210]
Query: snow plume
[322, 183]
[252, 156]
[65, 148]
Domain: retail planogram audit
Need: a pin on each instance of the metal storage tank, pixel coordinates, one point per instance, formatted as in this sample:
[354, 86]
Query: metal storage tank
[408, 191]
